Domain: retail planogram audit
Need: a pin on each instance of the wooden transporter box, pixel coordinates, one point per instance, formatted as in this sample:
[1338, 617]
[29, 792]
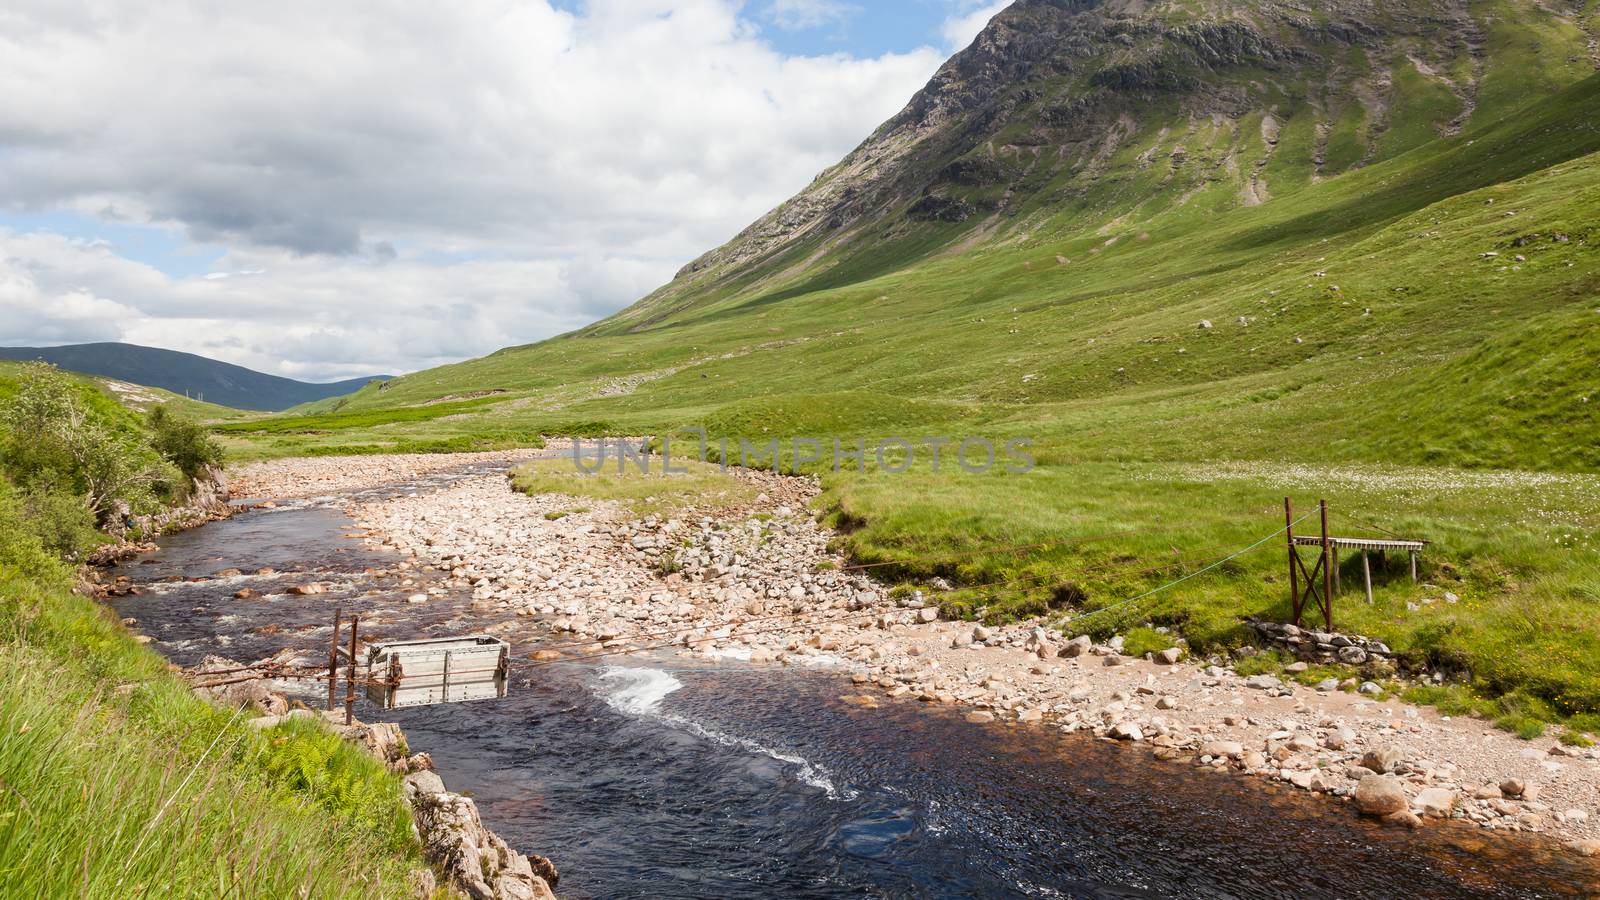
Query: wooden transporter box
[436, 670]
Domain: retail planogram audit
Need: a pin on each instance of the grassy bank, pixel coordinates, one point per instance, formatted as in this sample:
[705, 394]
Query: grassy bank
[115, 780]
[1507, 600]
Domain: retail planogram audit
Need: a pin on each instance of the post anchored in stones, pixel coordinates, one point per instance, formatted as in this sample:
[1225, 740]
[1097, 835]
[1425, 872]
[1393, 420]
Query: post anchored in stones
[350, 674]
[333, 657]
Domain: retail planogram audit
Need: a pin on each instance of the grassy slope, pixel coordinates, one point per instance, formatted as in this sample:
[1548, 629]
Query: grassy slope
[116, 781]
[1357, 316]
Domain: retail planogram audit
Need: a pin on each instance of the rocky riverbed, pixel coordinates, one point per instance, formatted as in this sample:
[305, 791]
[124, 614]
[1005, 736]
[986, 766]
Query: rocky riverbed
[755, 583]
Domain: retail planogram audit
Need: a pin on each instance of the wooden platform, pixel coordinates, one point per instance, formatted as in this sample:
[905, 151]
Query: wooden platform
[1364, 545]
[1361, 543]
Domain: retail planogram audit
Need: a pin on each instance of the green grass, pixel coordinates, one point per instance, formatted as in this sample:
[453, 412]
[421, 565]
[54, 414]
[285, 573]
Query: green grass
[341, 421]
[116, 781]
[1140, 640]
[645, 493]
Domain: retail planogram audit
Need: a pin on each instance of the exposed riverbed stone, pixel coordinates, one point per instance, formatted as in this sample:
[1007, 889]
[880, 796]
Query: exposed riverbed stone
[1380, 795]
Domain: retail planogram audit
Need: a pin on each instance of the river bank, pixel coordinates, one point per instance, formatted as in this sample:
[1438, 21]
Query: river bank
[754, 581]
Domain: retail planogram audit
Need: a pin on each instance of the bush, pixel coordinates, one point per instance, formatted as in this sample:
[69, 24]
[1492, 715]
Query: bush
[63, 526]
[61, 434]
[21, 551]
[183, 443]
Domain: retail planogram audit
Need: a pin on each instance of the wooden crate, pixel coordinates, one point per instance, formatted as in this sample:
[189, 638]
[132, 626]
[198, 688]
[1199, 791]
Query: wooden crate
[436, 670]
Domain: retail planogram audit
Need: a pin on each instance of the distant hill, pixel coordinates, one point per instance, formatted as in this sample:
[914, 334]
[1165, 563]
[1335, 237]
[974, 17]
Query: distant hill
[185, 373]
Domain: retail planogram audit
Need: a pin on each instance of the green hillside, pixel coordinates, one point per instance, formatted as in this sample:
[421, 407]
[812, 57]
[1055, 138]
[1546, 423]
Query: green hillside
[1201, 255]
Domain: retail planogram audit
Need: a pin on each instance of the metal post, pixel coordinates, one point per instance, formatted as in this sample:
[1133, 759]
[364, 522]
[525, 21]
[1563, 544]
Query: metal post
[1294, 579]
[350, 674]
[1327, 570]
[1338, 580]
[1366, 572]
[333, 656]
[1413, 554]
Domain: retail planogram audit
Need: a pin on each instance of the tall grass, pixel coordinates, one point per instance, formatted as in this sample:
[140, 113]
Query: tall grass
[116, 781]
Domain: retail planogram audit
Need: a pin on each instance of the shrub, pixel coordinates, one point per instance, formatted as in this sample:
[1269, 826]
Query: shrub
[60, 436]
[21, 551]
[60, 521]
[183, 443]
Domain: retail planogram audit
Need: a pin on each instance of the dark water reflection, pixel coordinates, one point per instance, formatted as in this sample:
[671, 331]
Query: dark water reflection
[656, 778]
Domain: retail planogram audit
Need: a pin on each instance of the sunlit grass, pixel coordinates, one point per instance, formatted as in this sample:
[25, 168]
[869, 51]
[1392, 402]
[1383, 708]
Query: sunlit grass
[656, 491]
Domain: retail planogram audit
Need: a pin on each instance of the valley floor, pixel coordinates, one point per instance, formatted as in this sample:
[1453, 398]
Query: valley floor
[744, 574]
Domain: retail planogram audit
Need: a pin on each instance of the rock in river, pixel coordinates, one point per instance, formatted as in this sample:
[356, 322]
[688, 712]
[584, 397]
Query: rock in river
[1380, 795]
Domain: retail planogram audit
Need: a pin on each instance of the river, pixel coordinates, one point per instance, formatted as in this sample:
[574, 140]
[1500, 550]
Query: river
[659, 777]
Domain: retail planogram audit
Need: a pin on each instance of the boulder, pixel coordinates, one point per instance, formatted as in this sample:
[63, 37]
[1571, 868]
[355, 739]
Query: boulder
[1301, 743]
[424, 782]
[1353, 656]
[1076, 647]
[251, 692]
[1263, 682]
[1380, 795]
[1338, 739]
[1381, 759]
[1404, 818]
[1229, 749]
[1169, 656]
[1127, 731]
[1436, 803]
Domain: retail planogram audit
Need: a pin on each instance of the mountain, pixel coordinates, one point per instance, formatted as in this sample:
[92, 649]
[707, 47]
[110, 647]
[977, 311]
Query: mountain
[1246, 228]
[185, 373]
[1076, 113]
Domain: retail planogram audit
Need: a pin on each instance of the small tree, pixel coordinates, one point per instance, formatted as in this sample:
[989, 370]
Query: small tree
[184, 443]
[54, 436]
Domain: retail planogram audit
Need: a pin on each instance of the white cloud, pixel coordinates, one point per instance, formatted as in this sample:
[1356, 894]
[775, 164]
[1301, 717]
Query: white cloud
[398, 161]
[959, 29]
[306, 317]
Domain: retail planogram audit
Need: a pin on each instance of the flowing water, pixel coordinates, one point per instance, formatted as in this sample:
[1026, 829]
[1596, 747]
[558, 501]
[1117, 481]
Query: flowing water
[657, 777]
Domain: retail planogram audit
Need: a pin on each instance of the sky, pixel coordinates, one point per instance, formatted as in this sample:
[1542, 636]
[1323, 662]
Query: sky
[331, 190]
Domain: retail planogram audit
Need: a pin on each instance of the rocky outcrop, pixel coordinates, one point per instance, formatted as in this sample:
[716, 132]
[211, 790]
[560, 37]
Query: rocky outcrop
[207, 502]
[471, 858]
